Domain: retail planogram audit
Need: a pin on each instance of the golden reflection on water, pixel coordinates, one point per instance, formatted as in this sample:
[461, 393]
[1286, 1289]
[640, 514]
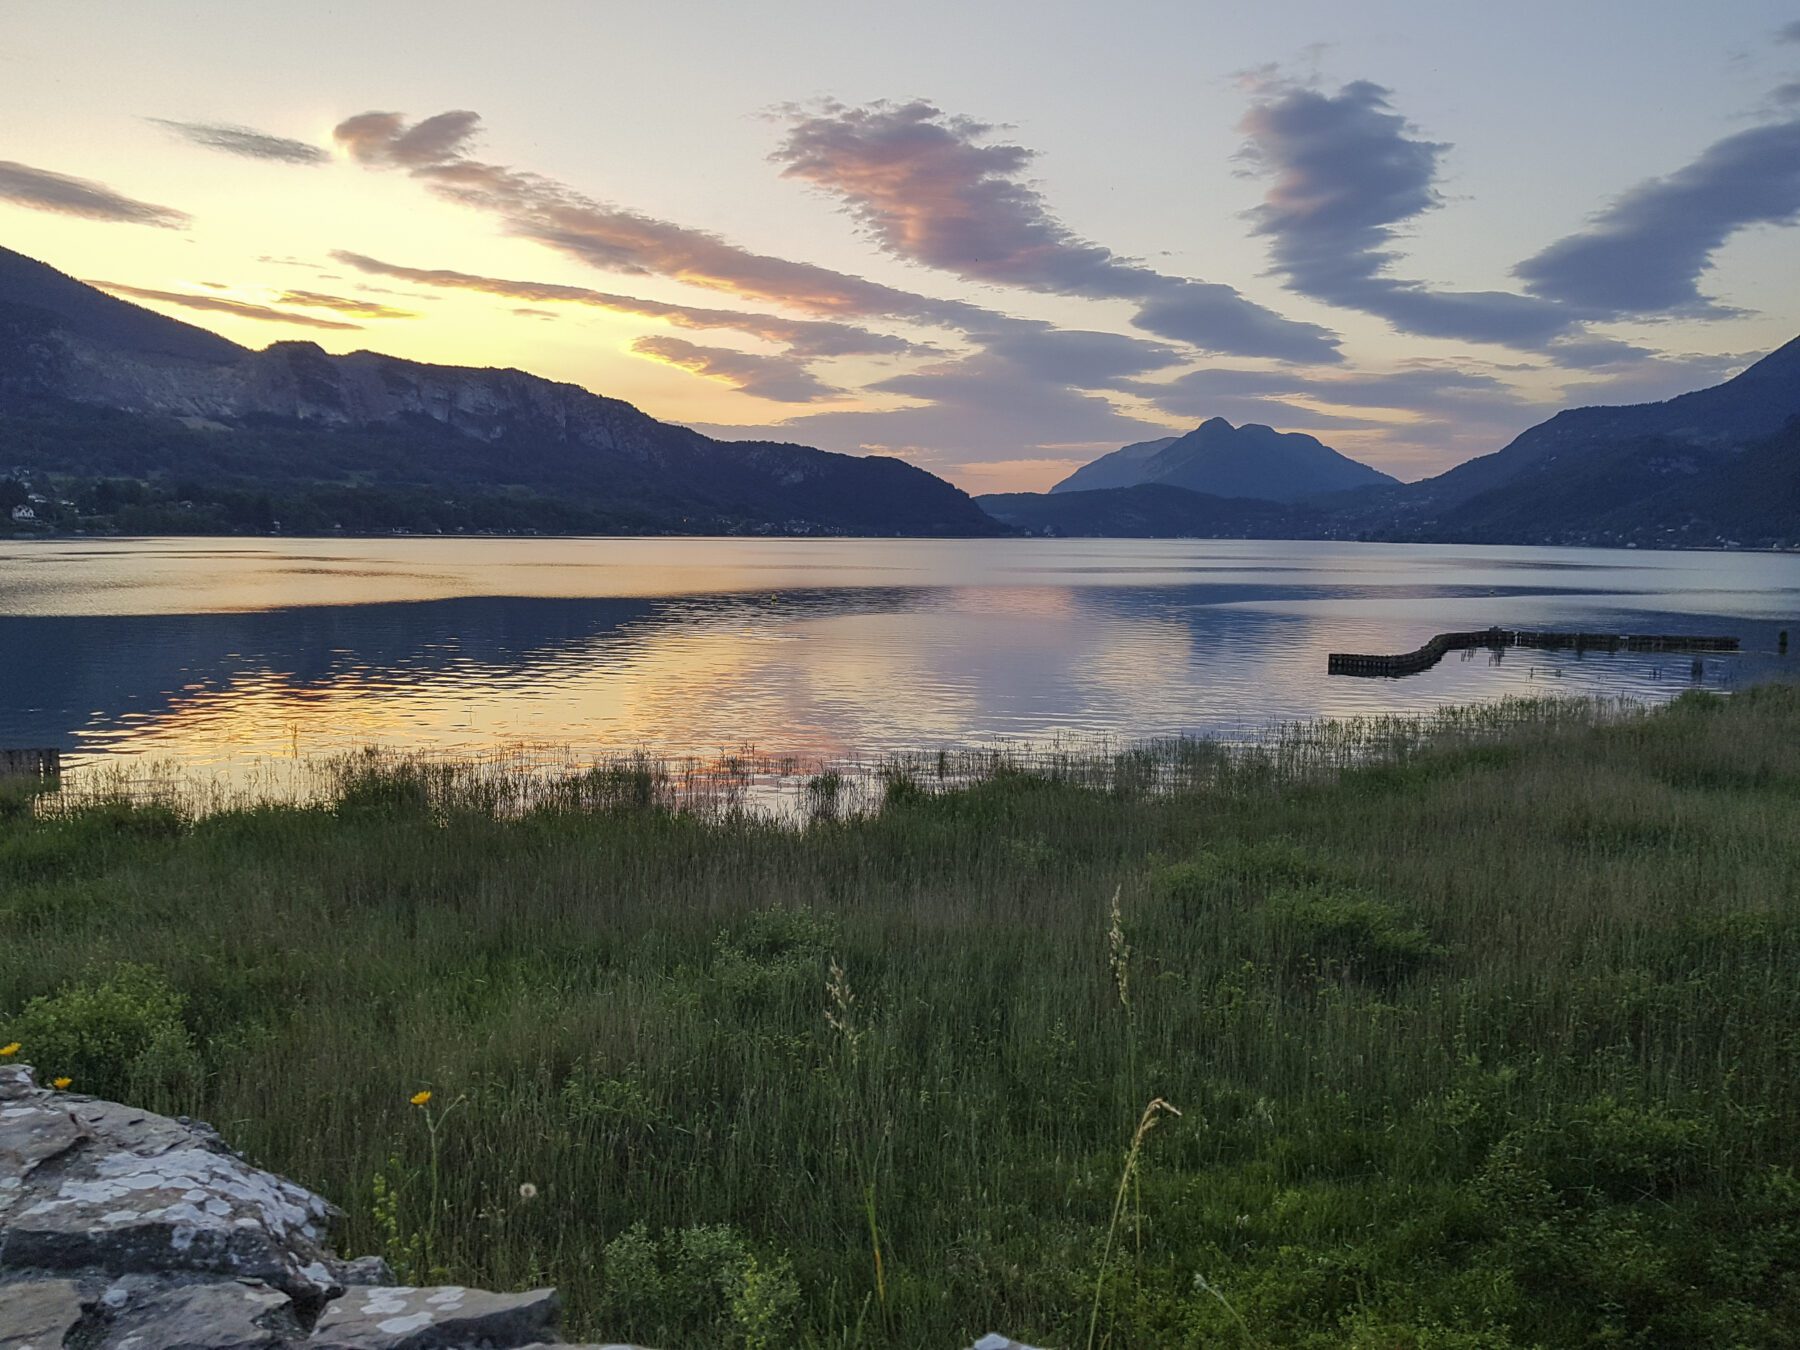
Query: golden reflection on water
[222, 654]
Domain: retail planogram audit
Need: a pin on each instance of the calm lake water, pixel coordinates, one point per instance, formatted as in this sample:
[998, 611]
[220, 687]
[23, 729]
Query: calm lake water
[217, 654]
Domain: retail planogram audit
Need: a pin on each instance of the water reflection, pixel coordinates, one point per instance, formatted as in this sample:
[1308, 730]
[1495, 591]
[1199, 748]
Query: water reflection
[223, 654]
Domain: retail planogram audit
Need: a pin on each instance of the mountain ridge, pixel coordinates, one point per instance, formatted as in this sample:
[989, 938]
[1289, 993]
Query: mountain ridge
[64, 344]
[158, 426]
[1754, 403]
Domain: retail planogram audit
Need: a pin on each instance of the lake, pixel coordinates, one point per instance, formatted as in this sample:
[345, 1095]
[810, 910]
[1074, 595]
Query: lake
[217, 655]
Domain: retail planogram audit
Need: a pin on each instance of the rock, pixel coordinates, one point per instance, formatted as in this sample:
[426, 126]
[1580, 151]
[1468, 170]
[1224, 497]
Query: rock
[219, 1315]
[364, 1270]
[38, 1314]
[124, 1230]
[401, 1318]
[86, 1183]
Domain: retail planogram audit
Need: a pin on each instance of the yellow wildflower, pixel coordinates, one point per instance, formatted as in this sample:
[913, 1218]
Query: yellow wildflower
[420, 1098]
[6, 1050]
[60, 1083]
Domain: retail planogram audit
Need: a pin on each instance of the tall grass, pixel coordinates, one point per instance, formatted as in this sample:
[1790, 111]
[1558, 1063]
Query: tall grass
[1483, 1029]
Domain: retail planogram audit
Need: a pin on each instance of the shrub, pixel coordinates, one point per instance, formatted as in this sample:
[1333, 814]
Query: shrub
[698, 1285]
[119, 1035]
[1352, 932]
[1601, 1150]
[777, 956]
[1184, 889]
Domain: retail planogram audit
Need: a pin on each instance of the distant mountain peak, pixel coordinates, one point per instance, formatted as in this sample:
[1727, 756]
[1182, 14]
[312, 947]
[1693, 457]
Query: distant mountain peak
[1253, 461]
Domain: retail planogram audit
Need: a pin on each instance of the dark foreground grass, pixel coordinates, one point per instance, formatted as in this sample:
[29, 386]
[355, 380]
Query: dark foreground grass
[1490, 1043]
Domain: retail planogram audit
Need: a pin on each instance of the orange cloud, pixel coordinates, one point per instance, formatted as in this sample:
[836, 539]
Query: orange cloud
[784, 379]
[802, 337]
[242, 308]
[344, 304]
[619, 240]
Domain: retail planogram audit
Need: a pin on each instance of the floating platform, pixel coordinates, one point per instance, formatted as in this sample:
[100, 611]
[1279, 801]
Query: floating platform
[1498, 639]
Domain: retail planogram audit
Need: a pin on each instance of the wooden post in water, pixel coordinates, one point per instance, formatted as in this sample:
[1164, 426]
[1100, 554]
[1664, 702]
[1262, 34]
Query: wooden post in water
[1781, 642]
[40, 768]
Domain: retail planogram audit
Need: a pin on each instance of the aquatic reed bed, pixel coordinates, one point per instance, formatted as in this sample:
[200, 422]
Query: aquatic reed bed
[1482, 1029]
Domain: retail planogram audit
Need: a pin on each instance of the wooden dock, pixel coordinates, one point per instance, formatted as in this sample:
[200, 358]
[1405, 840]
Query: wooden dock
[1498, 639]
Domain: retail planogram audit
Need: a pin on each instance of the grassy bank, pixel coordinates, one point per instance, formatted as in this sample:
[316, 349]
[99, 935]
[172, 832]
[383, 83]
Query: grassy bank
[1491, 1042]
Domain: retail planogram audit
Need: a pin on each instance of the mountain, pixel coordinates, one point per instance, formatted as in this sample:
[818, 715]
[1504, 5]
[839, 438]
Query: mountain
[1702, 469]
[1227, 461]
[1719, 467]
[1122, 468]
[214, 435]
[1150, 511]
[1708, 425]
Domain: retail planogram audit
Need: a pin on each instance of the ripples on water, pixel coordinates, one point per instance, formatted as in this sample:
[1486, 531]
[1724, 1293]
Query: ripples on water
[228, 656]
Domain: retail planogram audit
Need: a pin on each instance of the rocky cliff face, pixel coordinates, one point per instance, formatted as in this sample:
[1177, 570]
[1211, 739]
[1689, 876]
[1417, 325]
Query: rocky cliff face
[125, 1230]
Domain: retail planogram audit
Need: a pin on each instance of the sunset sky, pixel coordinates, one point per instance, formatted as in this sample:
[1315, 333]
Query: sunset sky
[996, 239]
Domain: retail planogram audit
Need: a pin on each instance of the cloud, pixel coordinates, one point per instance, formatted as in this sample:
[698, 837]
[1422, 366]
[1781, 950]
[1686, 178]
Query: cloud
[1655, 378]
[1401, 419]
[1789, 32]
[242, 308]
[931, 188]
[803, 337]
[245, 141]
[384, 138]
[1216, 318]
[1421, 388]
[343, 304]
[1087, 360]
[784, 379]
[926, 190]
[1590, 352]
[42, 190]
[614, 239]
[1347, 171]
[1646, 252]
[980, 408]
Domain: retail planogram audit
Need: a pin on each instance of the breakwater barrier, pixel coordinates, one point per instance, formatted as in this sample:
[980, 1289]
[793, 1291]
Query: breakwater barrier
[1498, 639]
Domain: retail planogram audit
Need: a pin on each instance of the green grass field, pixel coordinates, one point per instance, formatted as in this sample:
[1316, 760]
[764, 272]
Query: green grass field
[1491, 1039]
